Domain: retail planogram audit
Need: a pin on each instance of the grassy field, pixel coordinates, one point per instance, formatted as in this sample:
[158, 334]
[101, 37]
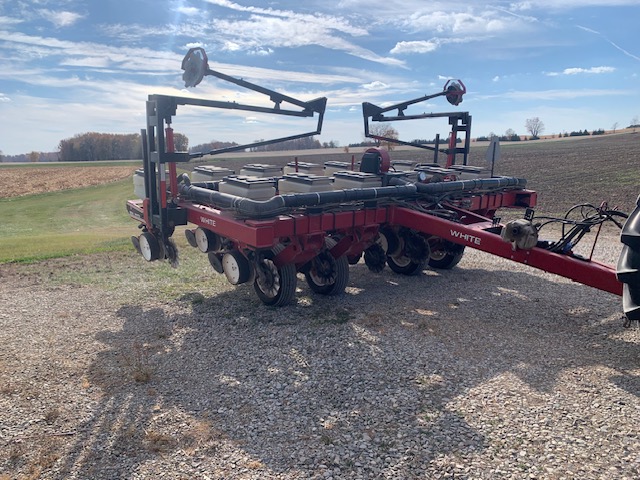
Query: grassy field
[67, 222]
[93, 219]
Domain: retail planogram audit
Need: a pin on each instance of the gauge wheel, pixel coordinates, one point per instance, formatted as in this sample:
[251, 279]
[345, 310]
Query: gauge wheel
[275, 286]
[149, 247]
[445, 255]
[236, 267]
[404, 265]
[327, 275]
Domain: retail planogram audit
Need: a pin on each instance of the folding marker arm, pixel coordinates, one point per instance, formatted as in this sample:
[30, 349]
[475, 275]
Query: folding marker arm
[196, 67]
[453, 90]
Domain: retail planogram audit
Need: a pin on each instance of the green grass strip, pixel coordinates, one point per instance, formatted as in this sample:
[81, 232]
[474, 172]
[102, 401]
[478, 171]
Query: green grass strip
[57, 224]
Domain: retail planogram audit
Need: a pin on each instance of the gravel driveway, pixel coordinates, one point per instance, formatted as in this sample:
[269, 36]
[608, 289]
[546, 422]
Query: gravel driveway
[491, 370]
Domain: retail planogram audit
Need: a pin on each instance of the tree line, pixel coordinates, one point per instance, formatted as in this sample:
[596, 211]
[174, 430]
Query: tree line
[305, 143]
[93, 146]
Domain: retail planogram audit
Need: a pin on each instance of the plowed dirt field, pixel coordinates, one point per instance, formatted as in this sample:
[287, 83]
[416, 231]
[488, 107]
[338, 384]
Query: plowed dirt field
[18, 181]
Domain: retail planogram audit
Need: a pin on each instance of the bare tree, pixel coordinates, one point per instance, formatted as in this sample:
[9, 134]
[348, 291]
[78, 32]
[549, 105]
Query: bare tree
[383, 130]
[614, 127]
[634, 123]
[180, 142]
[534, 126]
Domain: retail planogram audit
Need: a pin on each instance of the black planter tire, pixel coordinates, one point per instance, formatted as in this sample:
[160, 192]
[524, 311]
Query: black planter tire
[275, 286]
[445, 255]
[405, 266]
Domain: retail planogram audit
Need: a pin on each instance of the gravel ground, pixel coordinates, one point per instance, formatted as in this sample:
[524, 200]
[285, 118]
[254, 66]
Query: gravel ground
[491, 370]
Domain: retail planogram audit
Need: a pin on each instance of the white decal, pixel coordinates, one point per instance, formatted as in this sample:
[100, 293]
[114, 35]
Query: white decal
[208, 221]
[466, 237]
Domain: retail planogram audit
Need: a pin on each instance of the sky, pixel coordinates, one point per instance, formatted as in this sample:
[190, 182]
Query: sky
[68, 66]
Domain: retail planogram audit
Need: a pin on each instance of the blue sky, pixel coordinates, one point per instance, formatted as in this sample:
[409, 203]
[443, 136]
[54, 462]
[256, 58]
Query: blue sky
[70, 66]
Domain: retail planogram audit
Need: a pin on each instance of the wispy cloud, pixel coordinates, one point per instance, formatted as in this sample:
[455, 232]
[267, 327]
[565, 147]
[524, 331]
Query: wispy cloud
[336, 23]
[142, 62]
[627, 53]
[60, 18]
[375, 85]
[579, 71]
[458, 23]
[92, 62]
[189, 11]
[268, 28]
[537, 95]
[427, 46]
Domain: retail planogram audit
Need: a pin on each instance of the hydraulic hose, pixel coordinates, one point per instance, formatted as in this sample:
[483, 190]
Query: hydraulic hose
[249, 208]
[464, 185]
[399, 188]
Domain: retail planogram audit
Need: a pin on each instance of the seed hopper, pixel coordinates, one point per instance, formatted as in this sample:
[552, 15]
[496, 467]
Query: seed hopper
[267, 224]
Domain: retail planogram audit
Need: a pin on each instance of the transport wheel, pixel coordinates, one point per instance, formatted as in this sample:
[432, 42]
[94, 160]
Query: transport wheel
[275, 286]
[444, 254]
[327, 275]
[149, 247]
[405, 266]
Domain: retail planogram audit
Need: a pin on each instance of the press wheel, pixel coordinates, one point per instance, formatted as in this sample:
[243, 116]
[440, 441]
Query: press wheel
[327, 275]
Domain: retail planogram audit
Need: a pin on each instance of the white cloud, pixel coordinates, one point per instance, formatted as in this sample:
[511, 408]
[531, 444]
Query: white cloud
[194, 45]
[420, 46]
[520, 6]
[578, 71]
[427, 46]
[375, 85]
[336, 23]
[61, 18]
[8, 21]
[459, 23]
[496, 78]
[262, 52]
[268, 28]
[139, 61]
[93, 62]
[189, 11]
[4, 98]
[264, 32]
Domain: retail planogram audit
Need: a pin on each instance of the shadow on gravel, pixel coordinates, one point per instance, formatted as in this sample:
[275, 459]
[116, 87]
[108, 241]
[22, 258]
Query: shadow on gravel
[365, 383]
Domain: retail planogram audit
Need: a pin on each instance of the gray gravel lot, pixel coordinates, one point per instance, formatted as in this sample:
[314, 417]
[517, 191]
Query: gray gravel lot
[491, 370]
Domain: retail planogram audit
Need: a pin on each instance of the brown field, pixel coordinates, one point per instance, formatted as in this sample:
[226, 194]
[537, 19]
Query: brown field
[18, 181]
